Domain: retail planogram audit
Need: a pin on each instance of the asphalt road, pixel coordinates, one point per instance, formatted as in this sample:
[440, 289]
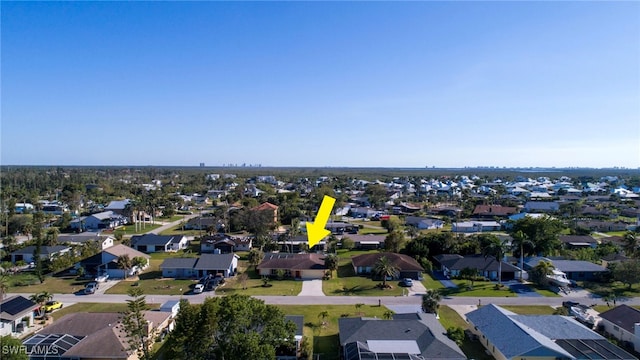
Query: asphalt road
[69, 299]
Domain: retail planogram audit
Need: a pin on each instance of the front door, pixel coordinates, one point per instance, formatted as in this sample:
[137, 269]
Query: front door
[297, 274]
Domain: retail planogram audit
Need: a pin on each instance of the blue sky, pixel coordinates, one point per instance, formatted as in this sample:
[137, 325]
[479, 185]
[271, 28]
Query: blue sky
[410, 84]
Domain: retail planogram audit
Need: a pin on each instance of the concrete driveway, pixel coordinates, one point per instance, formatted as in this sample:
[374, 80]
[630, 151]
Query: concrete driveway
[524, 290]
[311, 288]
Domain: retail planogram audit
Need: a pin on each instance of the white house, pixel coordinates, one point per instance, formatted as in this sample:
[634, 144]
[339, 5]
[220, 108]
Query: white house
[106, 262]
[623, 323]
[17, 316]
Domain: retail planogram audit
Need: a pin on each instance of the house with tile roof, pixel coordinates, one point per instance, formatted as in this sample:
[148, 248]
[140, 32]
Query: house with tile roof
[408, 267]
[297, 266]
[488, 267]
[507, 335]
[268, 207]
[623, 323]
[406, 336]
[16, 315]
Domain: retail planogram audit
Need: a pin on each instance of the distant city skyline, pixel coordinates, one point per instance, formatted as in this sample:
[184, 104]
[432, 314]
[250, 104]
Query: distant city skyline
[321, 84]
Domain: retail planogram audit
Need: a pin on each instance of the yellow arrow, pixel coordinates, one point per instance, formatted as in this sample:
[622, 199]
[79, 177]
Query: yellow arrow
[316, 230]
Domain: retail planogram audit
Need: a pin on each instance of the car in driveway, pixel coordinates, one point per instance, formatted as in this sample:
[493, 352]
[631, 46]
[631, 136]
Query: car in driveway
[49, 306]
[406, 282]
[198, 289]
[91, 288]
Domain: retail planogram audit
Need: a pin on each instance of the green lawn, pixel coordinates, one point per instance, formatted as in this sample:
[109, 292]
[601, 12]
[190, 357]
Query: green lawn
[346, 282]
[368, 230]
[616, 288]
[544, 291]
[94, 307]
[130, 229]
[326, 341]
[473, 349]
[154, 285]
[430, 283]
[530, 309]
[254, 286]
[177, 230]
[479, 289]
[29, 283]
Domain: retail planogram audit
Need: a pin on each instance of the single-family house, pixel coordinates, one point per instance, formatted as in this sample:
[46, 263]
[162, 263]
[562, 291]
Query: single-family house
[106, 262]
[16, 315]
[298, 266]
[89, 336]
[488, 267]
[362, 212]
[578, 270]
[339, 228]
[98, 221]
[368, 241]
[23, 208]
[412, 336]
[26, 254]
[298, 243]
[475, 226]
[225, 243]
[623, 323]
[203, 223]
[205, 264]
[104, 241]
[407, 266]
[578, 241]
[507, 335]
[149, 243]
[424, 223]
[118, 206]
[493, 211]
[286, 353]
[541, 206]
[270, 208]
[602, 226]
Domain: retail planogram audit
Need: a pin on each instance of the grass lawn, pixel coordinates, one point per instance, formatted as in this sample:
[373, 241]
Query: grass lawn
[473, 349]
[530, 309]
[479, 289]
[326, 341]
[253, 286]
[616, 288]
[54, 285]
[368, 230]
[171, 219]
[94, 307]
[346, 282]
[430, 283]
[130, 229]
[154, 285]
[177, 230]
[544, 291]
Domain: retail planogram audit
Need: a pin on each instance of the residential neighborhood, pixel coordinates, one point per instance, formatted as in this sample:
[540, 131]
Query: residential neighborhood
[406, 257]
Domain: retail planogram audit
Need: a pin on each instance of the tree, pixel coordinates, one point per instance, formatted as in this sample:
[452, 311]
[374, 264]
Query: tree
[124, 262]
[384, 268]
[539, 272]
[229, 327]
[394, 241]
[242, 279]
[348, 243]
[456, 334]
[520, 240]
[139, 262]
[497, 249]
[469, 274]
[41, 298]
[388, 315]
[431, 301]
[4, 285]
[631, 244]
[51, 237]
[135, 325]
[628, 272]
[323, 315]
[542, 232]
[39, 262]
[255, 257]
[9, 342]
[331, 262]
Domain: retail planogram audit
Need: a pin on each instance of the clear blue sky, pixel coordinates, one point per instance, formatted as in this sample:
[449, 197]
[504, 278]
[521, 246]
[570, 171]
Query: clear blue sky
[411, 84]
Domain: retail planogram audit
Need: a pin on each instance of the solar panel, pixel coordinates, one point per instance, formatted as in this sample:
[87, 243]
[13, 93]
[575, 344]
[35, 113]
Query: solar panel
[17, 305]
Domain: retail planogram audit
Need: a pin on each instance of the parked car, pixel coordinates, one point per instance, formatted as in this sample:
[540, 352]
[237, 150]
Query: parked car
[102, 278]
[91, 288]
[49, 306]
[407, 282]
[198, 289]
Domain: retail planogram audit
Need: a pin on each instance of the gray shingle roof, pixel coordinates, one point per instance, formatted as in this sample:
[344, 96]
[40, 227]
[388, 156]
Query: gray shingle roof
[402, 328]
[480, 262]
[153, 239]
[44, 250]
[567, 265]
[214, 261]
[623, 316]
[178, 263]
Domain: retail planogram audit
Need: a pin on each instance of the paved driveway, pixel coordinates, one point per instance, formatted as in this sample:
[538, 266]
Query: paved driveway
[524, 290]
[445, 282]
[311, 288]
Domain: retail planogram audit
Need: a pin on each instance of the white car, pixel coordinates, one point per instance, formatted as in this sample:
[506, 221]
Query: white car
[91, 288]
[198, 289]
[102, 278]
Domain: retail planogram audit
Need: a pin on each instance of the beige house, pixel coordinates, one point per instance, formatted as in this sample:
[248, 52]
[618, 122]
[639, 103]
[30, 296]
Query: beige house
[297, 266]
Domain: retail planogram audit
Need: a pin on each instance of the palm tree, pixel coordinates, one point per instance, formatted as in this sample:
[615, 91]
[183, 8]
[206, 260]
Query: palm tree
[431, 301]
[4, 285]
[388, 315]
[630, 244]
[541, 271]
[520, 240]
[496, 248]
[331, 262]
[125, 263]
[41, 298]
[385, 268]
